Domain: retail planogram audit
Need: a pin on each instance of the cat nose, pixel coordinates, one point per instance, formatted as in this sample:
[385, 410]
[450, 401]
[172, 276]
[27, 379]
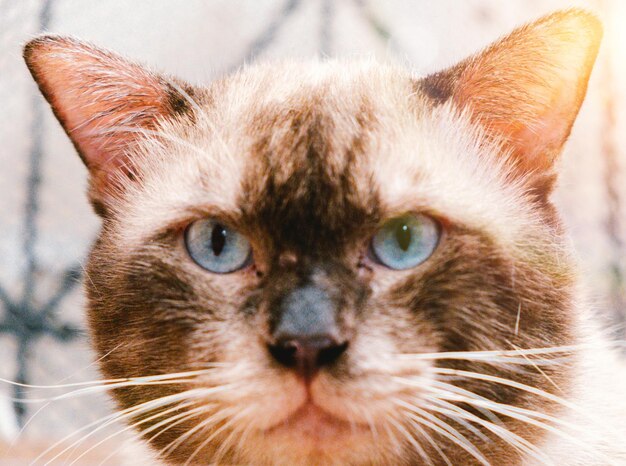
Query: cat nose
[307, 355]
[305, 334]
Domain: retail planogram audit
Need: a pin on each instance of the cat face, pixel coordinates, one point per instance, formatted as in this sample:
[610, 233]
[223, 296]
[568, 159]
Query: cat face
[308, 246]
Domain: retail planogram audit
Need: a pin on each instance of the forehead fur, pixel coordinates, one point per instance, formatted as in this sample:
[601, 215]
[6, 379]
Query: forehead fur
[365, 119]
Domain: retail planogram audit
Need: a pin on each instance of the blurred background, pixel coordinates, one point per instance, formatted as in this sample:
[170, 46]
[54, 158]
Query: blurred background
[46, 224]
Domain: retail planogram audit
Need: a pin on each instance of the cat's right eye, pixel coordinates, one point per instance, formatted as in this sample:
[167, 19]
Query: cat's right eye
[216, 247]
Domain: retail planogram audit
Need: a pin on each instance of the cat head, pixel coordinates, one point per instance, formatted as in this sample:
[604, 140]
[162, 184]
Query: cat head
[319, 252]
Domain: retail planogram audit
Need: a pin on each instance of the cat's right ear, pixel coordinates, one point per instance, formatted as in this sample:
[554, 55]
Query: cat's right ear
[526, 89]
[103, 102]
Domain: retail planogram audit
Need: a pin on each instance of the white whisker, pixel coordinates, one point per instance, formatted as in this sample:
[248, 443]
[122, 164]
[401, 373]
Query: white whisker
[170, 422]
[213, 419]
[444, 429]
[516, 441]
[431, 441]
[148, 378]
[527, 416]
[216, 432]
[125, 413]
[413, 441]
[227, 442]
[506, 382]
[132, 426]
[546, 376]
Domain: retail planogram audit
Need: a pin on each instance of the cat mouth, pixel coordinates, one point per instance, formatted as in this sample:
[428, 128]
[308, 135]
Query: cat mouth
[314, 425]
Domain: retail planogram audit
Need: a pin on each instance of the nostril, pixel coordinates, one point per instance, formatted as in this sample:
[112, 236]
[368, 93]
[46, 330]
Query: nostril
[307, 355]
[285, 353]
[331, 353]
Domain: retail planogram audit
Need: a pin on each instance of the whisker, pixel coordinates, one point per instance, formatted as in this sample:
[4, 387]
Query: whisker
[513, 357]
[516, 441]
[517, 352]
[470, 428]
[414, 381]
[506, 382]
[227, 442]
[125, 413]
[507, 410]
[242, 438]
[132, 426]
[370, 424]
[187, 415]
[546, 376]
[32, 418]
[147, 378]
[169, 423]
[397, 444]
[213, 419]
[413, 441]
[444, 429]
[431, 441]
[215, 433]
[527, 416]
[95, 389]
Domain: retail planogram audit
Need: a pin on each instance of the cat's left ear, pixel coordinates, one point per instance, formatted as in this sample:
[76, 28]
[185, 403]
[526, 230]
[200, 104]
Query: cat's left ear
[526, 89]
[104, 102]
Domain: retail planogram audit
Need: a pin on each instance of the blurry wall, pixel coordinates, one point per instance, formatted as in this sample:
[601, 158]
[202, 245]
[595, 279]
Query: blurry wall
[46, 225]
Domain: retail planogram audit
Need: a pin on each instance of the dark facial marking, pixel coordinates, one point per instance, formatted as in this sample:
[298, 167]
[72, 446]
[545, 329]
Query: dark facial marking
[438, 87]
[314, 210]
[177, 103]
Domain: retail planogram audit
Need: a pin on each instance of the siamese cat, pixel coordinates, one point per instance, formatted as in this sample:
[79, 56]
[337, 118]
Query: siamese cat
[338, 262]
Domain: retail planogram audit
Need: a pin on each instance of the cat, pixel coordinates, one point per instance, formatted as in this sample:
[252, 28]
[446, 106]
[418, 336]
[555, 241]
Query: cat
[338, 262]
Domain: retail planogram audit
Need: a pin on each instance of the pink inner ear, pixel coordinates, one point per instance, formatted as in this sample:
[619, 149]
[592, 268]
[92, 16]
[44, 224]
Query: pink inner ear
[103, 134]
[97, 96]
[541, 142]
[103, 119]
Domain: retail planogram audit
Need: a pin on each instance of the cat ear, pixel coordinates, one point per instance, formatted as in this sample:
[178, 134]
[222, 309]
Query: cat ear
[103, 102]
[527, 88]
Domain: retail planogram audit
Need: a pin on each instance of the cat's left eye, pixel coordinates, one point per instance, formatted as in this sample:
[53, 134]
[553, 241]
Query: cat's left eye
[216, 247]
[405, 242]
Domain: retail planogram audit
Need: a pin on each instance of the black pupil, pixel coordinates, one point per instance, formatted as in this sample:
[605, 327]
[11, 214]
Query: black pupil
[218, 239]
[403, 236]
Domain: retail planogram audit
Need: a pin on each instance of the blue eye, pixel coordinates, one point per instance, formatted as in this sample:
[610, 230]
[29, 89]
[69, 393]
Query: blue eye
[405, 242]
[216, 247]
